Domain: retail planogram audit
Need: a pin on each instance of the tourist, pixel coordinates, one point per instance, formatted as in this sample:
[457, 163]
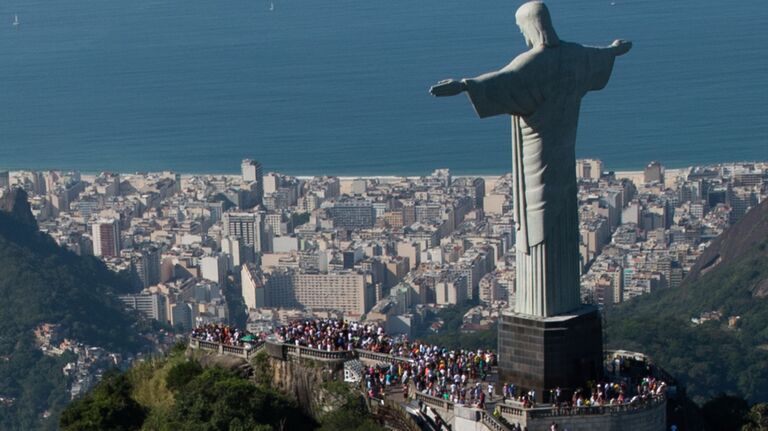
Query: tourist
[222, 334]
[432, 369]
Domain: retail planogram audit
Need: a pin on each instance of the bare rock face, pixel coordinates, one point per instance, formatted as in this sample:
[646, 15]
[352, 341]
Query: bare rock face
[238, 365]
[761, 289]
[303, 380]
[16, 205]
[748, 236]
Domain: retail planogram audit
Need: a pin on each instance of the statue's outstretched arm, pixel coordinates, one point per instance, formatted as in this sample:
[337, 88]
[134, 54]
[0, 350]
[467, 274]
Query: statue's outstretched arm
[448, 87]
[620, 47]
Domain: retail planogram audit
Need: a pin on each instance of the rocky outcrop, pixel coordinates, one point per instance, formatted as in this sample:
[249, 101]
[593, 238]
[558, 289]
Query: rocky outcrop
[239, 366]
[304, 381]
[16, 206]
[748, 236]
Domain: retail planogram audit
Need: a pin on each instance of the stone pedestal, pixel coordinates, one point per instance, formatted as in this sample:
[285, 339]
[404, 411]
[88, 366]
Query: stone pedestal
[542, 353]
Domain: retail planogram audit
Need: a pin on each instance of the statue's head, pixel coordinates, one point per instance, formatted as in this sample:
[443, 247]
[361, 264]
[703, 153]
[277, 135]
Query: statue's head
[536, 25]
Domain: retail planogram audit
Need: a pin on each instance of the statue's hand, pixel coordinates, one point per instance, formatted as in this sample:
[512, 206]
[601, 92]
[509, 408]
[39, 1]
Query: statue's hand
[447, 87]
[621, 47]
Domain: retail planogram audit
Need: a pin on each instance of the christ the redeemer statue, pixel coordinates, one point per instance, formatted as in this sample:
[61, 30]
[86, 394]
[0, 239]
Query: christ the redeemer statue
[542, 89]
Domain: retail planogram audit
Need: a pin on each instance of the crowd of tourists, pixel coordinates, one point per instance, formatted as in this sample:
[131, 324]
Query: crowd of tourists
[453, 375]
[511, 392]
[426, 379]
[335, 335]
[222, 334]
[601, 394]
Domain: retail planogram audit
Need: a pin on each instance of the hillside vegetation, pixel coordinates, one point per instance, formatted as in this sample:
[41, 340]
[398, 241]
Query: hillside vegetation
[177, 393]
[713, 357]
[41, 282]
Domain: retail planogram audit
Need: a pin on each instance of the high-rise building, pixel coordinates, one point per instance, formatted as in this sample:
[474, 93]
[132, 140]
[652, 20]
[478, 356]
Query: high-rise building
[275, 222]
[271, 182]
[428, 211]
[395, 269]
[106, 238]
[588, 169]
[442, 177]
[253, 172]
[38, 183]
[236, 250]
[182, 315]
[653, 173]
[344, 291]
[394, 218]
[214, 268]
[252, 287]
[741, 201]
[352, 214]
[216, 210]
[451, 289]
[5, 180]
[472, 187]
[248, 227]
[151, 305]
[147, 266]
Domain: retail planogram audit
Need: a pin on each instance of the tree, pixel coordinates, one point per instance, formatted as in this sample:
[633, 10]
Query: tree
[757, 418]
[218, 399]
[352, 415]
[181, 374]
[108, 407]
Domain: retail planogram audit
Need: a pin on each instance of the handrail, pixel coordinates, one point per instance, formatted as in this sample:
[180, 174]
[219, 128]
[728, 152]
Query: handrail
[381, 357]
[640, 357]
[207, 345]
[491, 422]
[434, 401]
[627, 354]
[306, 352]
[224, 349]
[555, 411]
[310, 353]
[511, 410]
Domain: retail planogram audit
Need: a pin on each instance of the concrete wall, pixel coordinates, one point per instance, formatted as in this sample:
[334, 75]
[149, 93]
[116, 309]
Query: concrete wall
[651, 419]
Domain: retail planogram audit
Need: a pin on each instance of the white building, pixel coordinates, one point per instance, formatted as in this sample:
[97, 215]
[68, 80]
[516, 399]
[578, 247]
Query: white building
[106, 238]
[252, 287]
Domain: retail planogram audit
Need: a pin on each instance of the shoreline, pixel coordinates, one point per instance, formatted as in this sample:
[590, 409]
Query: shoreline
[626, 173]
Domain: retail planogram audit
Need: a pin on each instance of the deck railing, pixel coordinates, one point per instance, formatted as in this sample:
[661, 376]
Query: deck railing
[380, 357]
[510, 409]
[438, 403]
[224, 349]
[519, 412]
[282, 350]
[491, 422]
[306, 352]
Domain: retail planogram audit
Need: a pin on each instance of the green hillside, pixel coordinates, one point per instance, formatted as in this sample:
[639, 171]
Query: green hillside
[727, 354]
[41, 282]
[176, 392]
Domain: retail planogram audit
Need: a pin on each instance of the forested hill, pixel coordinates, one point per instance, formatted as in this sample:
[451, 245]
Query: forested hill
[742, 239]
[727, 351]
[41, 282]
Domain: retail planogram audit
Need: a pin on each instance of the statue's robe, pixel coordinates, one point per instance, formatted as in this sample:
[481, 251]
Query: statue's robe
[542, 89]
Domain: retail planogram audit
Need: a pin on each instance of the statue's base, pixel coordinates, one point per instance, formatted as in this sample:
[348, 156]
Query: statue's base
[543, 353]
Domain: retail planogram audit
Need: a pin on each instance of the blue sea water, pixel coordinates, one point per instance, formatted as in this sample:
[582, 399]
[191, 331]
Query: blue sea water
[340, 86]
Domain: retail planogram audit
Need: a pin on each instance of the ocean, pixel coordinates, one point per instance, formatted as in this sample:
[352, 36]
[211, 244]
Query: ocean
[340, 87]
